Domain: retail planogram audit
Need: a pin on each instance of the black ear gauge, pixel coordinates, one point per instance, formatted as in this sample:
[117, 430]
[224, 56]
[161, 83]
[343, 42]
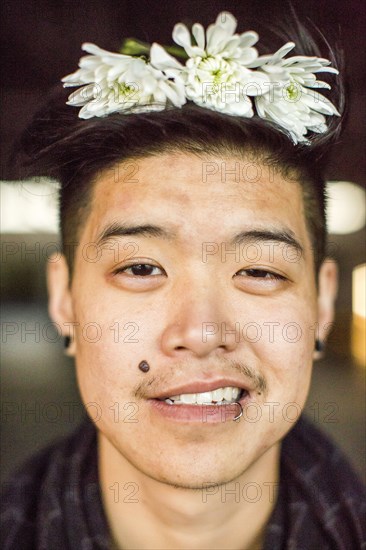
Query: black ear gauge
[144, 366]
[319, 345]
[67, 342]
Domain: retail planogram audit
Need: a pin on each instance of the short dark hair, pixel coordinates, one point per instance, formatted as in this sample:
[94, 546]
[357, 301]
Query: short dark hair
[74, 151]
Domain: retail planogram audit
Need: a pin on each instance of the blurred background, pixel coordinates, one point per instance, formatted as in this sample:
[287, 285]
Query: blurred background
[40, 43]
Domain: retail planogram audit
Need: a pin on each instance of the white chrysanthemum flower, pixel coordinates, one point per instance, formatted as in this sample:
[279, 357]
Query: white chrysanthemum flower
[216, 73]
[291, 100]
[113, 82]
[217, 84]
[219, 40]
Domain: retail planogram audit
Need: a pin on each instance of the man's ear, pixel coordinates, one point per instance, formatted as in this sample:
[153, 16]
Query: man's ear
[327, 294]
[59, 298]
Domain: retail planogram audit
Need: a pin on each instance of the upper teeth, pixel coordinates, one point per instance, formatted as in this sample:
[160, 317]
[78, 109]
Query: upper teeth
[224, 395]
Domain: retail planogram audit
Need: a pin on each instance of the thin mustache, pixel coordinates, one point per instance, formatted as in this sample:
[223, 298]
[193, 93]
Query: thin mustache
[185, 370]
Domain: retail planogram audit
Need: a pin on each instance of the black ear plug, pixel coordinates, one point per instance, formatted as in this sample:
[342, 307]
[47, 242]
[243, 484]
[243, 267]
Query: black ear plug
[319, 345]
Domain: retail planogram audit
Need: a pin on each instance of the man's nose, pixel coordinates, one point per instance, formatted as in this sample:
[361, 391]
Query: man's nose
[199, 322]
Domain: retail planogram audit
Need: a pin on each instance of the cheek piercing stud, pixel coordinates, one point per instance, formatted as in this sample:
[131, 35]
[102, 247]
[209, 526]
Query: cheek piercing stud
[144, 366]
[240, 413]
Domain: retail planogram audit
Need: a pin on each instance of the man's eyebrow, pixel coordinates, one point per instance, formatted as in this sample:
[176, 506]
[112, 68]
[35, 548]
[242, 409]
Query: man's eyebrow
[149, 230]
[278, 235]
[123, 230]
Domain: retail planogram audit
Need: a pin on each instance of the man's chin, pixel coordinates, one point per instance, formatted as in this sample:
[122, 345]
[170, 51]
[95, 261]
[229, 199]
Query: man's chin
[210, 469]
[188, 479]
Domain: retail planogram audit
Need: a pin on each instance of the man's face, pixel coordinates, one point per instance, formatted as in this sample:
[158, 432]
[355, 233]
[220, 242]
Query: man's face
[203, 312]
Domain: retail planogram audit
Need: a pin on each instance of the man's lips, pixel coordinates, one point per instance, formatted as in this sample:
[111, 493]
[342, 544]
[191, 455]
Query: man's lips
[202, 386]
[208, 413]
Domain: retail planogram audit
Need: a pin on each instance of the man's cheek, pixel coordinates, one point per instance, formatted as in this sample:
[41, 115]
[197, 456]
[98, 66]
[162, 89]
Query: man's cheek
[288, 352]
[290, 386]
[106, 392]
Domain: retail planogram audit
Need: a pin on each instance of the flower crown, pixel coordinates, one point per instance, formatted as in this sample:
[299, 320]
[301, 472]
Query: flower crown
[222, 72]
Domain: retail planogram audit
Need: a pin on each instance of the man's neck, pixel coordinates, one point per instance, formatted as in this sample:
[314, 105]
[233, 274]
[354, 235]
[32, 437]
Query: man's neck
[146, 514]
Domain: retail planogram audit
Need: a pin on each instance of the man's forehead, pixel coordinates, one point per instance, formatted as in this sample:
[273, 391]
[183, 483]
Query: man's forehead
[168, 192]
[207, 177]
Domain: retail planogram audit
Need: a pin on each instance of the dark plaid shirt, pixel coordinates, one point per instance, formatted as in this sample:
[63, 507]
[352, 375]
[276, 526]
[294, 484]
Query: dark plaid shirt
[54, 501]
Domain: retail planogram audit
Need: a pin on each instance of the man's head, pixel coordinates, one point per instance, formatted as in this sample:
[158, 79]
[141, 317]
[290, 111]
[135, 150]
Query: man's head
[211, 280]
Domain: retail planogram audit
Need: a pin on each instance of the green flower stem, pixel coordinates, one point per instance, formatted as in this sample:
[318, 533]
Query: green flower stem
[176, 51]
[131, 46]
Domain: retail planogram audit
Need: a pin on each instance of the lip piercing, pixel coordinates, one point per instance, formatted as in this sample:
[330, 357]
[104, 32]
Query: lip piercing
[144, 366]
[241, 411]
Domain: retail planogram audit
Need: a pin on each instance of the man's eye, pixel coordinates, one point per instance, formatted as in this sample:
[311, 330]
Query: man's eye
[260, 274]
[139, 270]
